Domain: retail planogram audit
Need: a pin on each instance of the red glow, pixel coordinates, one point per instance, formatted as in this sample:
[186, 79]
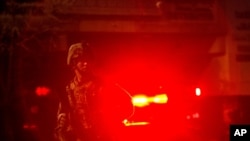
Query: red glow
[140, 64]
[25, 126]
[29, 126]
[42, 91]
[34, 109]
[196, 115]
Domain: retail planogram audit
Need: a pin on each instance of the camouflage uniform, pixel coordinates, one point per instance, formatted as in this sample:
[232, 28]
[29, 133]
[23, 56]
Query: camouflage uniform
[77, 108]
[77, 112]
[89, 110]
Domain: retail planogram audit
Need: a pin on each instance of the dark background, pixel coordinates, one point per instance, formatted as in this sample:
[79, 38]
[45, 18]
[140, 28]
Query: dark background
[33, 54]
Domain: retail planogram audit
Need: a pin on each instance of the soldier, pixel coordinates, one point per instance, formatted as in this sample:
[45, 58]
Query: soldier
[91, 109]
[76, 112]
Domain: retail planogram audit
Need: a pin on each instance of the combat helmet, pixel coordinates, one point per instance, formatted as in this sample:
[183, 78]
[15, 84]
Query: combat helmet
[78, 51]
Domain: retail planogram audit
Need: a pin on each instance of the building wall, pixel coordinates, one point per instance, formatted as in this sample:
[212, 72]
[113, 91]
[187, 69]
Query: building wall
[238, 46]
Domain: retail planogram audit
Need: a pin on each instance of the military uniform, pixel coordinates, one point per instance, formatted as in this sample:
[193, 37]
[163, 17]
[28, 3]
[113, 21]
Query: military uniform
[78, 112]
[78, 107]
[89, 110]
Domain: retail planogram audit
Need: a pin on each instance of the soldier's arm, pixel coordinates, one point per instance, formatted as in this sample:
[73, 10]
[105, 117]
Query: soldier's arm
[61, 116]
[62, 119]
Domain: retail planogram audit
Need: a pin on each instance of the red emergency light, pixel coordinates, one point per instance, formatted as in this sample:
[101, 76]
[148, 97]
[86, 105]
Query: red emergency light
[42, 91]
